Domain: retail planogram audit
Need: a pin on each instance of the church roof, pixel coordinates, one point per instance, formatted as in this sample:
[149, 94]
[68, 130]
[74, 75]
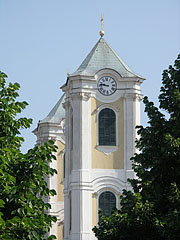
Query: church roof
[103, 56]
[57, 113]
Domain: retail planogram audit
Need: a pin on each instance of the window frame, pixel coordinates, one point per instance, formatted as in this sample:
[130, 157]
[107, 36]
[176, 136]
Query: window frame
[115, 125]
[107, 149]
[99, 194]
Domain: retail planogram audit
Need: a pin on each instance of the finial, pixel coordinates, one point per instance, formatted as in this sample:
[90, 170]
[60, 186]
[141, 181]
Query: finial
[68, 73]
[102, 32]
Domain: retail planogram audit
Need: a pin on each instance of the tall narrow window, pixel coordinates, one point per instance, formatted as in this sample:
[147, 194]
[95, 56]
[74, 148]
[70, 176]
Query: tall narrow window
[107, 202]
[107, 127]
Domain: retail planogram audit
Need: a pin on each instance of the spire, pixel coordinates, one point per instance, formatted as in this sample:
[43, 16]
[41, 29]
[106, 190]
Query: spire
[102, 21]
[103, 56]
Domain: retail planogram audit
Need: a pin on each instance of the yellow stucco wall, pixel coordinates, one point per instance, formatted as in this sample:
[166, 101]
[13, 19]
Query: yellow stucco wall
[114, 160]
[94, 210]
[60, 153]
[119, 203]
[60, 231]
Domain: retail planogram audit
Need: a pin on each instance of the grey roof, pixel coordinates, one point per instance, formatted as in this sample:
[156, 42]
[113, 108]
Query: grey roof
[103, 56]
[57, 113]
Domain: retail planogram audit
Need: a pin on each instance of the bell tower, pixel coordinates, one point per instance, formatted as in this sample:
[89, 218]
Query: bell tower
[102, 108]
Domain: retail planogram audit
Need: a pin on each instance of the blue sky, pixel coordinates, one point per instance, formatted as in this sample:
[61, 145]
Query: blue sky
[41, 39]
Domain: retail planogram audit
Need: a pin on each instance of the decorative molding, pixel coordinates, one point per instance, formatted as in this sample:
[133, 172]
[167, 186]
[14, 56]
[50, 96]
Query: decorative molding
[94, 195]
[139, 97]
[84, 96]
[66, 104]
[107, 149]
[102, 182]
[109, 71]
[107, 105]
[60, 223]
[133, 96]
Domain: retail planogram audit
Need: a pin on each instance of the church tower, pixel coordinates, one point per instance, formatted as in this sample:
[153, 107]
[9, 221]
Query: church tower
[93, 125]
[102, 108]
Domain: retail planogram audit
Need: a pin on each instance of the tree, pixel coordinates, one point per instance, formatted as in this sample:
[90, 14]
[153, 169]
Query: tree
[152, 210]
[23, 213]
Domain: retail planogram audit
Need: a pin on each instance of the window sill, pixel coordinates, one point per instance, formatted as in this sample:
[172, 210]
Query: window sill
[106, 149]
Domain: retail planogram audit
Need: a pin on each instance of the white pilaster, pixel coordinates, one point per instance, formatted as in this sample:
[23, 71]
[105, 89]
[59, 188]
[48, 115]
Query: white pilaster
[66, 215]
[131, 120]
[66, 181]
[80, 194]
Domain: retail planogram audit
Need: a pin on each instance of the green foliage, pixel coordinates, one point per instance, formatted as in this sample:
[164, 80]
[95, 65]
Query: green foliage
[23, 211]
[152, 210]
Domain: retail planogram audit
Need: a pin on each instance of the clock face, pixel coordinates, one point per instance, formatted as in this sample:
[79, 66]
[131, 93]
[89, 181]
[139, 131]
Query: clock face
[107, 85]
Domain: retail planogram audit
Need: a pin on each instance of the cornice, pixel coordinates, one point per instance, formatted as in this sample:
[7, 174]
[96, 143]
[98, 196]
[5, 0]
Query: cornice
[84, 96]
[133, 96]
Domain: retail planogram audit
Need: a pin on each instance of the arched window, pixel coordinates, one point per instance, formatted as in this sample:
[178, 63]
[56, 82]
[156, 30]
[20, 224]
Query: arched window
[107, 202]
[107, 127]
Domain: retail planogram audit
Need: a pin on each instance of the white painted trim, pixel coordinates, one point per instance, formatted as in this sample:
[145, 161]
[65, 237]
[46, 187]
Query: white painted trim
[64, 165]
[106, 180]
[107, 105]
[110, 72]
[107, 149]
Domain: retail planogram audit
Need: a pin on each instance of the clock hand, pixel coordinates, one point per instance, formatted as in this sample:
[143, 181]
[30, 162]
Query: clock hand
[102, 84]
